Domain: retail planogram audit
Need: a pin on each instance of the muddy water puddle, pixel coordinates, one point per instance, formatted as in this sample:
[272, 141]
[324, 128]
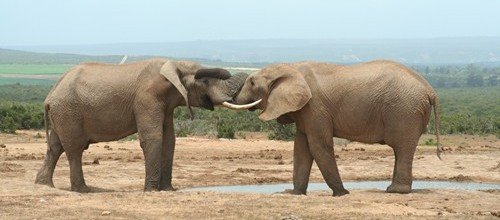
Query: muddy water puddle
[381, 185]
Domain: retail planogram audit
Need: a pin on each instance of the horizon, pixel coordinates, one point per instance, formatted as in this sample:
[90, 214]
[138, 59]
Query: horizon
[52, 22]
[249, 39]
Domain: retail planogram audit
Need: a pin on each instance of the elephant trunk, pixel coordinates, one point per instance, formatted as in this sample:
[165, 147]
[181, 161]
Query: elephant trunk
[234, 84]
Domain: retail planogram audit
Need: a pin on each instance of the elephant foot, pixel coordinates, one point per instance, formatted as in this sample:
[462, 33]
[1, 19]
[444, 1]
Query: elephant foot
[44, 181]
[294, 192]
[43, 178]
[168, 188]
[150, 189]
[81, 188]
[341, 192]
[399, 188]
[150, 186]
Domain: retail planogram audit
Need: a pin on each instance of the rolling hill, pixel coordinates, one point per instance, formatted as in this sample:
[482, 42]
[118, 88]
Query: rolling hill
[460, 50]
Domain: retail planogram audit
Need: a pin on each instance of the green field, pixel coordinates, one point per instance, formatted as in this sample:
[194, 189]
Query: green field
[50, 71]
[36, 69]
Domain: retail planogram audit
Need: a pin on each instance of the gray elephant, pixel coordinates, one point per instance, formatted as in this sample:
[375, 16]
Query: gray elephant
[95, 102]
[376, 102]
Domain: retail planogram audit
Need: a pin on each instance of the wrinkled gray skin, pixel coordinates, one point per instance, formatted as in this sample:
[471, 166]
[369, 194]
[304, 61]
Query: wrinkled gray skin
[376, 102]
[96, 102]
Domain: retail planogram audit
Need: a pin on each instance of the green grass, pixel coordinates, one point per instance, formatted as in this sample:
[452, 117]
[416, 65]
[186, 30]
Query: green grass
[34, 68]
[476, 101]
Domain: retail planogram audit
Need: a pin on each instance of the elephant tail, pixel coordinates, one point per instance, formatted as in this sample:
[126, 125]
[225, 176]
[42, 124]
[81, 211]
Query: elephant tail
[46, 121]
[435, 103]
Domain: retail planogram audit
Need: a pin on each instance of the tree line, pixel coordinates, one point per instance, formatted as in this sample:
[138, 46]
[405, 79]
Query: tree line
[455, 76]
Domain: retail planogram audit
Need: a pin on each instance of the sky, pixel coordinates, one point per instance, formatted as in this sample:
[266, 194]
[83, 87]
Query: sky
[59, 22]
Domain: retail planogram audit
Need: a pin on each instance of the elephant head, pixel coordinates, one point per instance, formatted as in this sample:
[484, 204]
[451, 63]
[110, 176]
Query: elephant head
[276, 90]
[202, 87]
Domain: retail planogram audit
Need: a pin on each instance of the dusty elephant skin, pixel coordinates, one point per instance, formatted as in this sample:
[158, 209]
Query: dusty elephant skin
[96, 102]
[376, 102]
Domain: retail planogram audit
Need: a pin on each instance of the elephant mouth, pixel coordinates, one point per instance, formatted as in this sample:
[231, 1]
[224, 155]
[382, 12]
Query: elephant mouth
[207, 103]
[254, 107]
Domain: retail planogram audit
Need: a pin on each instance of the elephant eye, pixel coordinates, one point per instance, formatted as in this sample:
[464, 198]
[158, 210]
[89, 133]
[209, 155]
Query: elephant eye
[251, 82]
[205, 81]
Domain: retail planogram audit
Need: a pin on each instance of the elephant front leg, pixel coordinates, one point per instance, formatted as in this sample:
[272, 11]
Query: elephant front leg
[167, 154]
[150, 129]
[152, 154]
[302, 162]
[321, 147]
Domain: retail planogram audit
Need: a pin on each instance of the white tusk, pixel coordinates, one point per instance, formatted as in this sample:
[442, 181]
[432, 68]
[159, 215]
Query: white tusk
[124, 59]
[240, 107]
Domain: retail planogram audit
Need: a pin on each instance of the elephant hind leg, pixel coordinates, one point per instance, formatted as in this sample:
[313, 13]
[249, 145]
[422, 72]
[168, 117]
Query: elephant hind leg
[54, 151]
[75, 166]
[402, 175]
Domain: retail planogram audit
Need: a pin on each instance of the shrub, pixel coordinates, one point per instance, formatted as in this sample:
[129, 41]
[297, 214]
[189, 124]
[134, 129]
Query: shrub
[281, 132]
[430, 142]
[8, 125]
[224, 129]
[15, 116]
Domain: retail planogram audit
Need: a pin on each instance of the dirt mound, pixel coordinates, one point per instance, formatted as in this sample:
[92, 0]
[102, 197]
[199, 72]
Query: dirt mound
[460, 178]
[6, 167]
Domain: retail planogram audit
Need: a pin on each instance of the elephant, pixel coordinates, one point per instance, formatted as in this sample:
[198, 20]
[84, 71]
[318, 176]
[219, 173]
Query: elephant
[95, 102]
[374, 102]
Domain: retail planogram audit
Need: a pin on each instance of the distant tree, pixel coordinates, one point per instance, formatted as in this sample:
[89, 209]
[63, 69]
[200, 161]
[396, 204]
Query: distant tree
[472, 69]
[493, 80]
[475, 80]
[427, 70]
[441, 82]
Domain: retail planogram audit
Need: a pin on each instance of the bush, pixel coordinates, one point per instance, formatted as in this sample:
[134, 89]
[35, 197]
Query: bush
[224, 129]
[278, 131]
[15, 116]
[8, 125]
[430, 142]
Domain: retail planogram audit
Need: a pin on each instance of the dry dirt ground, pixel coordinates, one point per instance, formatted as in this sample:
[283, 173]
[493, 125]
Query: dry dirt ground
[115, 171]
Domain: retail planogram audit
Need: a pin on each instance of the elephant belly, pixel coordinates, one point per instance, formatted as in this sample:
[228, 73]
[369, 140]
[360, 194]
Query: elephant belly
[359, 126]
[368, 137]
[109, 126]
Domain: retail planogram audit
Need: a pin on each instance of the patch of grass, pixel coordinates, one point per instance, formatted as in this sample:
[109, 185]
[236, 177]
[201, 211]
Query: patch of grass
[132, 137]
[430, 142]
[34, 68]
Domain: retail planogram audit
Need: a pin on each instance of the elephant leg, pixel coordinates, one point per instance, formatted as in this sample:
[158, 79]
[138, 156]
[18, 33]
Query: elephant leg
[402, 174]
[54, 151]
[321, 147]
[302, 162]
[150, 129]
[167, 153]
[152, 154]
[75, 168]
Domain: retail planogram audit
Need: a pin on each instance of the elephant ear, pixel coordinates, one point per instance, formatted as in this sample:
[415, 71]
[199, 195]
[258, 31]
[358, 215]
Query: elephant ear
[288, 93]
[170, 71]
